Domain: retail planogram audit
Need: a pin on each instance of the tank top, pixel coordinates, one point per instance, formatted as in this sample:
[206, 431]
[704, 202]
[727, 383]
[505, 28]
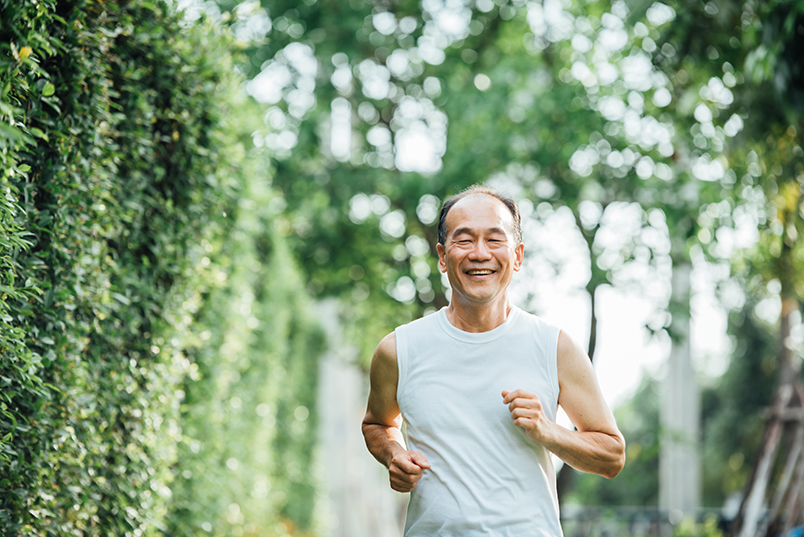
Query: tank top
[487, 478]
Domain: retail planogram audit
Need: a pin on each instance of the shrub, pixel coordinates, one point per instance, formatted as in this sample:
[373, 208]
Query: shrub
[120, 167]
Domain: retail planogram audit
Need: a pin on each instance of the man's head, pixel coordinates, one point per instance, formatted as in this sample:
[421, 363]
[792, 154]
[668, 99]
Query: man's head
[480, 245]
[488, 191]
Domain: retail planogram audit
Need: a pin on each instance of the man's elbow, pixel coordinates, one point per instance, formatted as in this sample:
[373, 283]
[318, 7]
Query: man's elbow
[366, 427]
[371, 429]
[617, 461]
[614, 469]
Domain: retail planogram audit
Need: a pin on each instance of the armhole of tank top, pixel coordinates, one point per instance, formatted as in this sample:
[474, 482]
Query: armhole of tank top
[554, 333]
[401, 360]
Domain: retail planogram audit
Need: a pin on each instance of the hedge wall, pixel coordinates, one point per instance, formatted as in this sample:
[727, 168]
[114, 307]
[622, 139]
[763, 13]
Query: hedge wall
[249, 423]
[123, 182]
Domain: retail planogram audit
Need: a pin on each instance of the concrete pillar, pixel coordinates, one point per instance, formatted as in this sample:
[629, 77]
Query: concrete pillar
[679, 460]
[357, 499]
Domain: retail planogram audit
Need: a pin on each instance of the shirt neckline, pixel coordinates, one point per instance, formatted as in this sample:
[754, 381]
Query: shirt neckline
[477, 337]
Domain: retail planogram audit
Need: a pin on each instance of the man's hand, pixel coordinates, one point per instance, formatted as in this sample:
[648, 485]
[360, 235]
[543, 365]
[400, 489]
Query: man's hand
[527, 413]
[405, 470]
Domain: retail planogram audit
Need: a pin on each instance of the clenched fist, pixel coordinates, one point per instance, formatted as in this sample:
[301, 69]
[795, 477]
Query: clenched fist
[527, 413]
[405, 470]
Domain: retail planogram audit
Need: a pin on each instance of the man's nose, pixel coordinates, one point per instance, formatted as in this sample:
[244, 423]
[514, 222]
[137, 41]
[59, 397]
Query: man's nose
[480, 252]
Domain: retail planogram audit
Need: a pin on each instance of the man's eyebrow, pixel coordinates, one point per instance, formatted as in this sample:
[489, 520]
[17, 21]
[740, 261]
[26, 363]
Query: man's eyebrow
[461, 230]
[469, 231]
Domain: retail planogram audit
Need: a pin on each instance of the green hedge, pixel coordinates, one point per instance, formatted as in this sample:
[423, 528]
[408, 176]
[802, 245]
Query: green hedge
[121, 170]
[249, 421]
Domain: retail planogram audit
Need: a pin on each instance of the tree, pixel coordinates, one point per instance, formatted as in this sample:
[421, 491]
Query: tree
[590, 107]
[764, 151]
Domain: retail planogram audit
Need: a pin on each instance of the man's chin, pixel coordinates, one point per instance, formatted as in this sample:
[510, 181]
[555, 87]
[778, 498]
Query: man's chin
[480, 297]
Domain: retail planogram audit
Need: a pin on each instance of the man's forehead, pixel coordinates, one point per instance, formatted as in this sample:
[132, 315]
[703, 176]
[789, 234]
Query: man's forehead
[479, 205]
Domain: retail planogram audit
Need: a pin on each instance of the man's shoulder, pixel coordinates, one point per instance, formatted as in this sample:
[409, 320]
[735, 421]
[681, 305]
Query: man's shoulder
[536, 328]
[387, 347]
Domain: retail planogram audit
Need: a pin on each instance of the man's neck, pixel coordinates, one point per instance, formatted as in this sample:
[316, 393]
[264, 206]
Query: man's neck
[478, 317]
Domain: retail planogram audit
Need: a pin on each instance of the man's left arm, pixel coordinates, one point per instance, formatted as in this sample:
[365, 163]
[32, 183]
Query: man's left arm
[597, 446]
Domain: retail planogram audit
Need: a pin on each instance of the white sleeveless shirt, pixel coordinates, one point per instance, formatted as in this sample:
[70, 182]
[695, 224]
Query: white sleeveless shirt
[486, 477]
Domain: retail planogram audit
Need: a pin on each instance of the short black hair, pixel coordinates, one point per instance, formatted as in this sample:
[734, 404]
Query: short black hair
[479, 189]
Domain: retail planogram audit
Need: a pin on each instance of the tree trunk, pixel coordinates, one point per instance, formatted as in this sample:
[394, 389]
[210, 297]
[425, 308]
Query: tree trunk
[788, 396]
[592, 325]
[788, 369]
[746, 523]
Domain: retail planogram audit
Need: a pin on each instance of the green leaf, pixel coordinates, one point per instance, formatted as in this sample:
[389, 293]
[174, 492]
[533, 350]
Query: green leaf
[48, 90]
[39, 134]
[121, 298]
[9, 132]
[24, 168]
[5, 108]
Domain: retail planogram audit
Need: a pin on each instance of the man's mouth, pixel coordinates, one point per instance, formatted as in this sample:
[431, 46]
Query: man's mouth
[479, 272]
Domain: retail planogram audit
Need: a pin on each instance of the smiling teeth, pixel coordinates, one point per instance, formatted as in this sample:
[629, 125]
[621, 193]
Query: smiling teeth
[479, 272]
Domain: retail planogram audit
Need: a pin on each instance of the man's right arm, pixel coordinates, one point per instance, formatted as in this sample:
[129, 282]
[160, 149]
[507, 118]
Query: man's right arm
[381, 425]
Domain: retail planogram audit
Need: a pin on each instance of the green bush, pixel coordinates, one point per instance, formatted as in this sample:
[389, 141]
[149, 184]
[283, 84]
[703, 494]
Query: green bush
[249, 417]
[120, 170]
[689, 528]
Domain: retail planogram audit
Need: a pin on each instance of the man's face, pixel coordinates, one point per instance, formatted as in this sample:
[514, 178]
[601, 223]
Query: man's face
[480, 255]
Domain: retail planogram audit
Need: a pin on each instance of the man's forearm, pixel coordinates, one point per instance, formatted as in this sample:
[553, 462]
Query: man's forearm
[383, 441]
[589, 451]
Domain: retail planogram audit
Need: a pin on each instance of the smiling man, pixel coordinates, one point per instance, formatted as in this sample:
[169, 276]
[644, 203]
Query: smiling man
[478, 384]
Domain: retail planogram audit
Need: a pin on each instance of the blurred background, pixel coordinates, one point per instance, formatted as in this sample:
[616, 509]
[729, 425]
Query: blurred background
[213, 212]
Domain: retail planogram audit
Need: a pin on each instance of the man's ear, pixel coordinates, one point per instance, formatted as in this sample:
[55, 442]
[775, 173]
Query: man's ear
[442, 257]
[519, 252]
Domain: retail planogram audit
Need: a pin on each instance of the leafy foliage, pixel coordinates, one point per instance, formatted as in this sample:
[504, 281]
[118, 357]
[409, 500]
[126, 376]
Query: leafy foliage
[120, 167]
[248, 418]
[744, 125]
[503, 100]
[745, 387]
[592, 106]
[146, 243]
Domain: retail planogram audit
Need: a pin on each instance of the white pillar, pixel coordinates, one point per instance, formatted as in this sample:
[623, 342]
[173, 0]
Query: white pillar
[357, 498]
[679, 459]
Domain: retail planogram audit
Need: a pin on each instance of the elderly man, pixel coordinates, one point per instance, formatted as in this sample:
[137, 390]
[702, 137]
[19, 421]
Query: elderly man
[478, 384]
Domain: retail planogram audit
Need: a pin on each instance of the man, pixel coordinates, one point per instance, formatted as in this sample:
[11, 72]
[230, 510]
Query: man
[478, 384]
